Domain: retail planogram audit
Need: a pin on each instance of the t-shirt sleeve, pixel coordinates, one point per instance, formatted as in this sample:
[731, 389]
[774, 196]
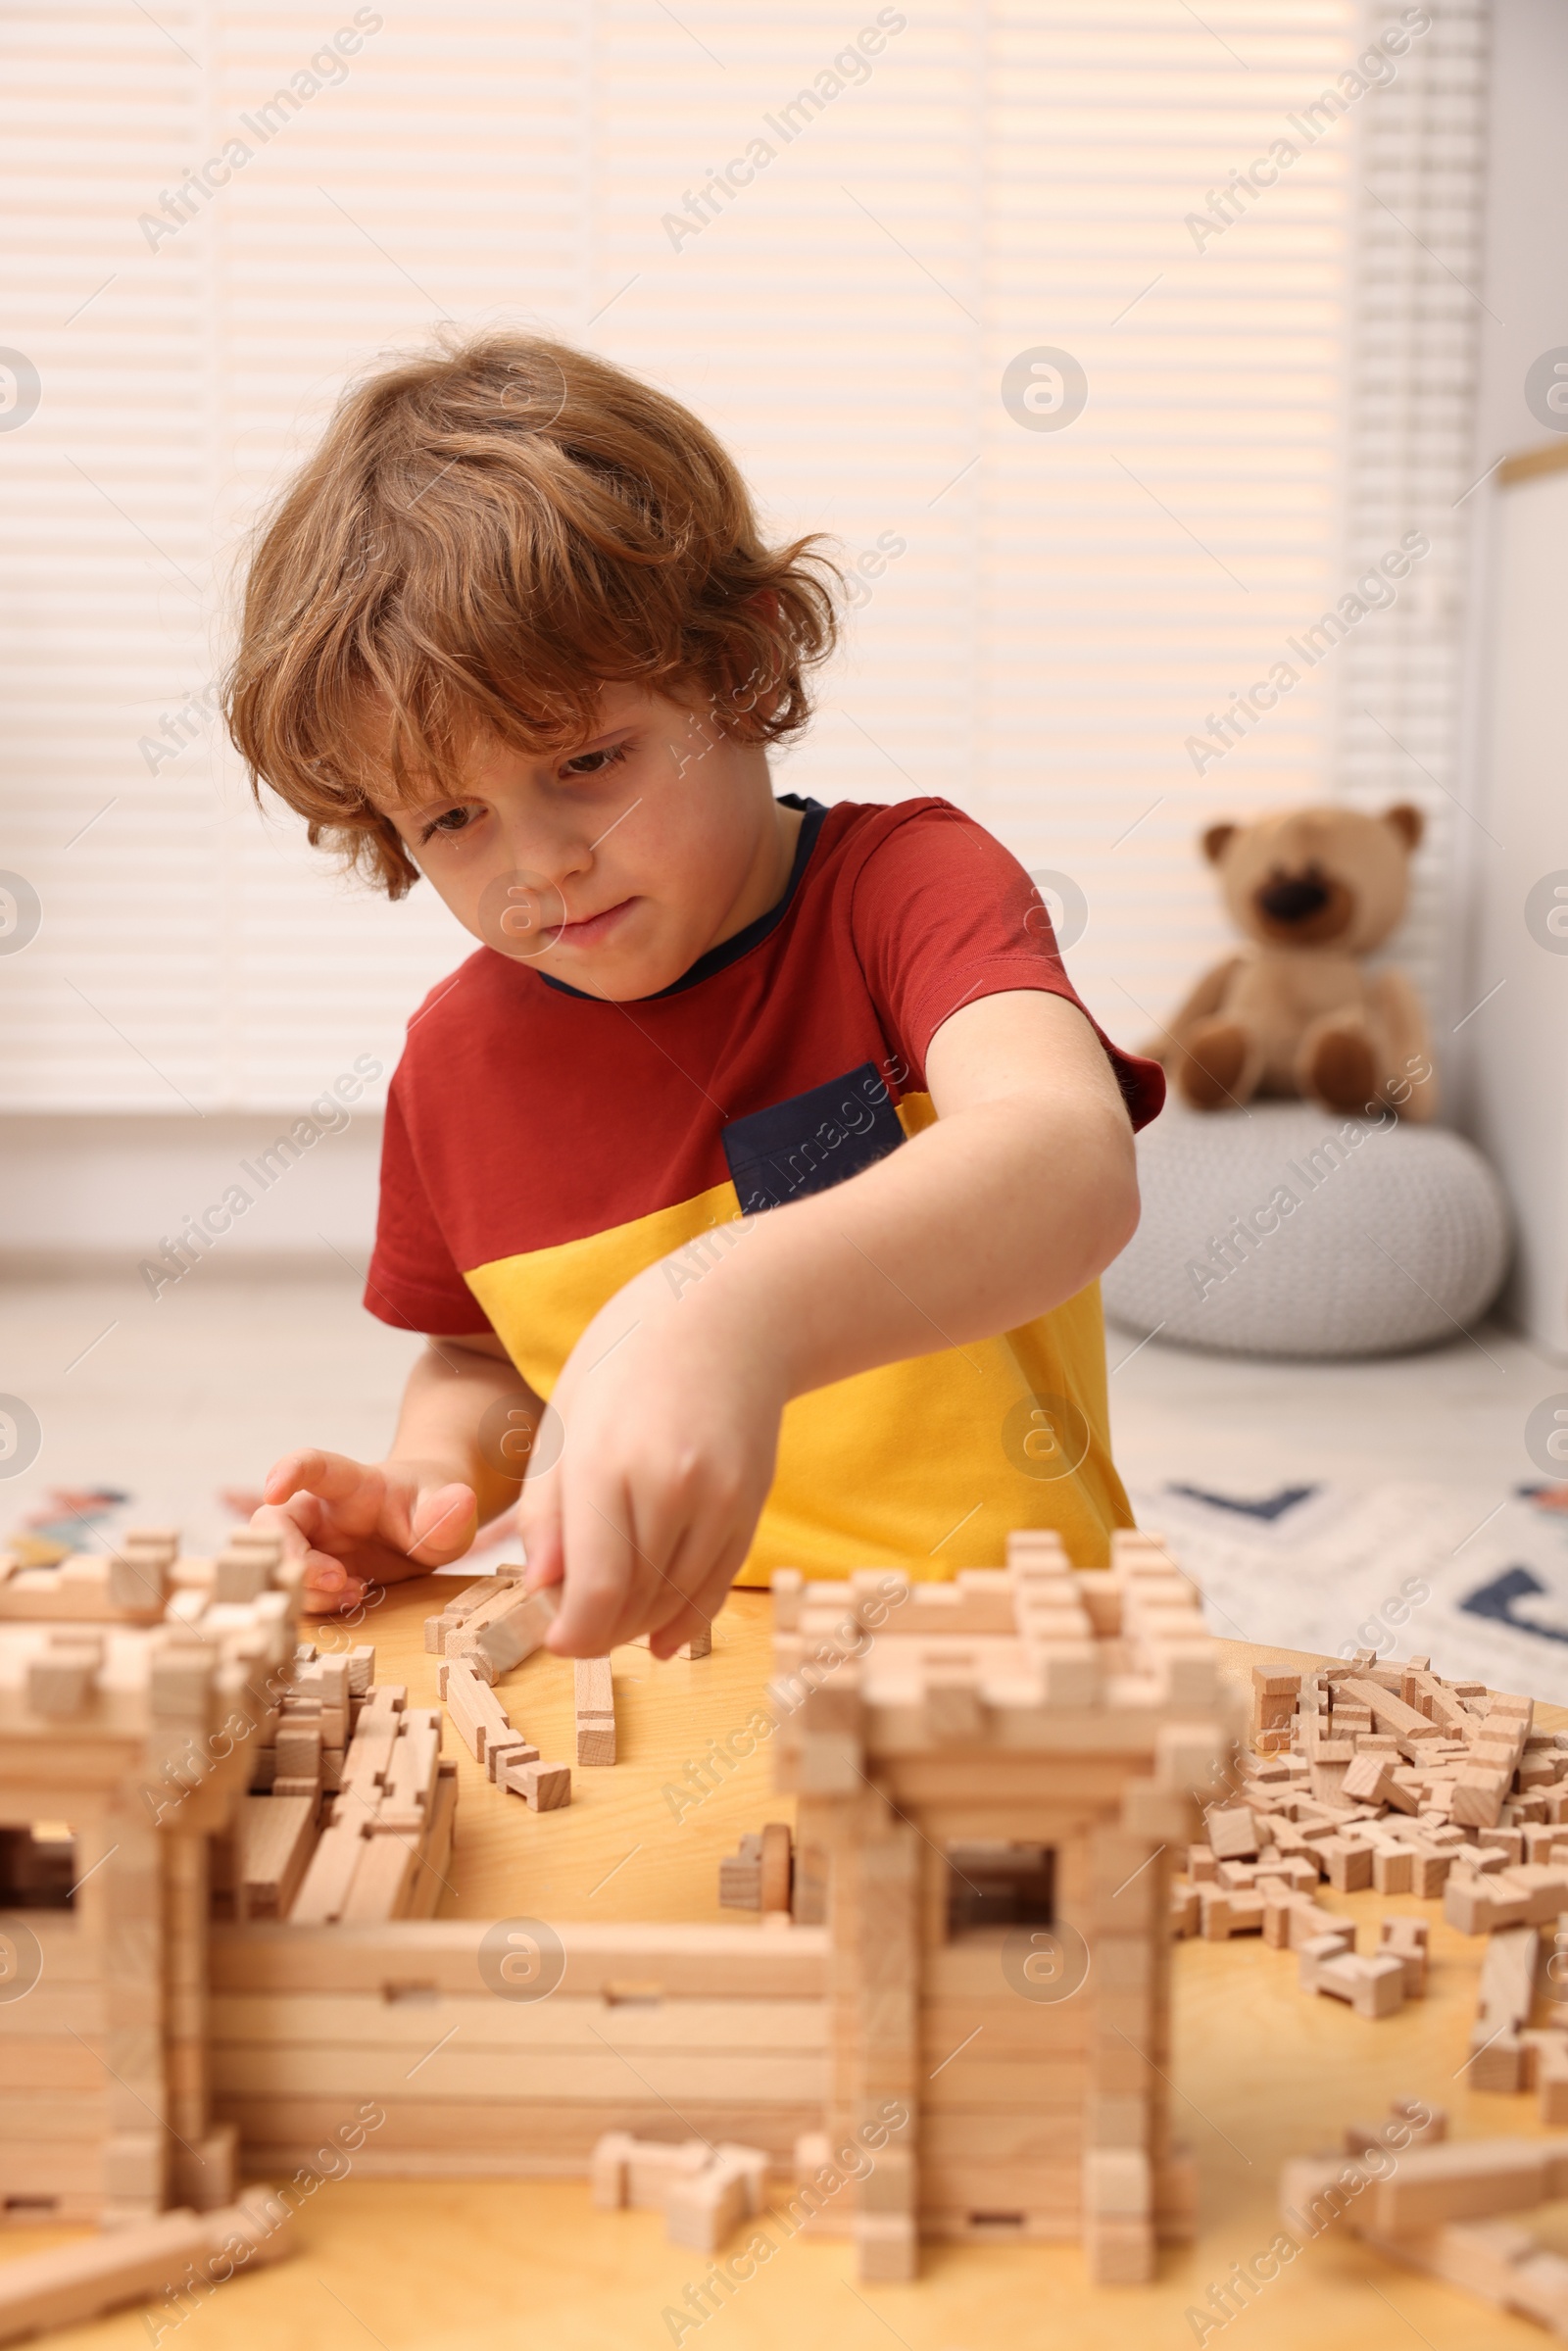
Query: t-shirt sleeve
[942, 914]
[413, 1281]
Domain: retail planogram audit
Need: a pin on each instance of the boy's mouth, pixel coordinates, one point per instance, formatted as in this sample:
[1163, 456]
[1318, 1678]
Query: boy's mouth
[589, 929]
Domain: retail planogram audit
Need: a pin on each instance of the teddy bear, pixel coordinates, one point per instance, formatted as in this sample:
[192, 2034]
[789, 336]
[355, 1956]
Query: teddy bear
[1314, 891]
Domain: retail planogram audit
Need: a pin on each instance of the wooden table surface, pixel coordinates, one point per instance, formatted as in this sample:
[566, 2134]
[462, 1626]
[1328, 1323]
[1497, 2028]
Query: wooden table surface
[1261, 2071]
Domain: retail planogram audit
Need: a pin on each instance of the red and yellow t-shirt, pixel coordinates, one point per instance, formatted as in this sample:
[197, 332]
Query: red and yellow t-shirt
[543, 1147]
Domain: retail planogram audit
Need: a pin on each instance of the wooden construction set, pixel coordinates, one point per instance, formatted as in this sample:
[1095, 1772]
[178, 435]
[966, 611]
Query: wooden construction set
[1447, 2207]
[1393, 1779]
[222, 1850]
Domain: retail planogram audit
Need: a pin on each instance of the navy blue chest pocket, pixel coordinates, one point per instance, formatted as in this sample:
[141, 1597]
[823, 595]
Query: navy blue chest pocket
[812, 1142]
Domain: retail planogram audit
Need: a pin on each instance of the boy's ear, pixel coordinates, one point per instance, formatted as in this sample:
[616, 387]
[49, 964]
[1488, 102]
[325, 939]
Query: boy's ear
[1217, 840]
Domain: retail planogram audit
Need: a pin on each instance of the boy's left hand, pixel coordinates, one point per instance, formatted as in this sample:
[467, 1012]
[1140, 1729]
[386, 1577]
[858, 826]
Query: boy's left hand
[356, 1524]
[671, 1416]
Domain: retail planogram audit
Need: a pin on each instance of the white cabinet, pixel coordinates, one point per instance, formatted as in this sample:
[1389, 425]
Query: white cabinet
[1518, 1049]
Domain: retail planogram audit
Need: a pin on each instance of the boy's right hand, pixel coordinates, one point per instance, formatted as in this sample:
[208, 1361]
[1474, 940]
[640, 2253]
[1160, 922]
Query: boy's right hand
[357, 1523]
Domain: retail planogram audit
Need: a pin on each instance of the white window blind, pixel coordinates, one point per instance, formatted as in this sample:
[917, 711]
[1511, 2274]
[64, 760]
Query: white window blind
[1046, 618]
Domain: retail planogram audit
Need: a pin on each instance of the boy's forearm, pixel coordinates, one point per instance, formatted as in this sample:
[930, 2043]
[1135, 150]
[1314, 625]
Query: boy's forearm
[975, 1226]
[449, 1392]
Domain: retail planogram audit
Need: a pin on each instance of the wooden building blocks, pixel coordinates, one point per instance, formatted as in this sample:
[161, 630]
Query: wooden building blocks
[990, 1772]
[740, 1876]
[476, 1714]
[387, 1845]
[968, 1929]
[1442, 2208]
[596, 1710]
[726, 2023]
[462, 1605]
[776, 1870]
[1373, 1986]
[275, 1836]
[639, 2172]
[486, 1729]
[1503, 2004]
[701, 1643]
[703, 2191]
[131, 1719]
[1410, 1940]
[760, 1873]
[72, 2284]
[1359, 1774]
[128, 1586]
[544, 1787]
[502, 1630]
[1232, 1832]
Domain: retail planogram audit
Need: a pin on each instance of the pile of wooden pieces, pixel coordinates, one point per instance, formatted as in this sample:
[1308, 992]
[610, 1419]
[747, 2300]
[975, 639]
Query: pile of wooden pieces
[703, 2191]
[492, 1625]
[1375, 1737]
[485, 1727]
[388, 1835]
[302, 1752]
[1435, 2207]
[1375, 1984]
[180, 2253]
[1386, 1776]
[1278, 1846]
[760, 1875]
[297, 1766]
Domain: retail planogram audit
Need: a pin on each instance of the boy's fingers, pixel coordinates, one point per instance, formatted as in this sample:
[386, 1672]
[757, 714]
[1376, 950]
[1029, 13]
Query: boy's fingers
[331, 1603]
[276, 1519]
[603, 1568]
[329, 1584]
[538, 1524]
[544, 1556]
[331, 1476]
[708, 1587]
[443, 1524]
[668, 1638]
[702, 1553]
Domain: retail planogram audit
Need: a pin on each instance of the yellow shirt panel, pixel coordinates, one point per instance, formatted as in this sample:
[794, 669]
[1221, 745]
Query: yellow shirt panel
[925, 1465]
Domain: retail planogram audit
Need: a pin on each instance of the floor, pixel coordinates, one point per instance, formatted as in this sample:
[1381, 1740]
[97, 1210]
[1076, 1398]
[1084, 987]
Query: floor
[1450, 1412]
[176, 1399]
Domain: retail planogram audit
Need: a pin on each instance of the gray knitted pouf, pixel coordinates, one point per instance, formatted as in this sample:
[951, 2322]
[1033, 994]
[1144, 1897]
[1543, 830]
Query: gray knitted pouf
[1285, 1230]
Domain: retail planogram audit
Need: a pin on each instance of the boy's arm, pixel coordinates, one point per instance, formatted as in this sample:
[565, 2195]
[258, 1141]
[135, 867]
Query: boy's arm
[359, 1523]
[1019, 1195]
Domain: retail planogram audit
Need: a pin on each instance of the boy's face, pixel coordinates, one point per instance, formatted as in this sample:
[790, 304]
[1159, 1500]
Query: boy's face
[614, 864]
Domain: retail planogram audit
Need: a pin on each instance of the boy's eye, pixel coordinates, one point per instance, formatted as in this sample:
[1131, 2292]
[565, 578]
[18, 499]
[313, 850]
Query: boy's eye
[594, 762]
[452, 820]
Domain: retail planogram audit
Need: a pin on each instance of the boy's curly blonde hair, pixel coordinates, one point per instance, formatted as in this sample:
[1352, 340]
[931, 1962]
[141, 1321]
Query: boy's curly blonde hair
[485, 537]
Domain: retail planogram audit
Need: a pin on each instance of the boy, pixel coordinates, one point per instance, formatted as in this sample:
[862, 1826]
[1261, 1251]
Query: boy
[768, 1142]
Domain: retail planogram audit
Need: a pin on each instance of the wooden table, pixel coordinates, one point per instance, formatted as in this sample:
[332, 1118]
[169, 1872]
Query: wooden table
[1260, 2072]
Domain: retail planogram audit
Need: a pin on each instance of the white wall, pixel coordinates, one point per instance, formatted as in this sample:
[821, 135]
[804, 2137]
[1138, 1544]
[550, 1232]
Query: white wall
[1522, 311]
[1509, 1065]
[117, 1187]
[1526, 289]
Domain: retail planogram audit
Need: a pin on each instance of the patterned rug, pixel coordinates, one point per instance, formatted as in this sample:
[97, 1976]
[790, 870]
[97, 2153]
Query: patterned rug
[1477, 1582]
